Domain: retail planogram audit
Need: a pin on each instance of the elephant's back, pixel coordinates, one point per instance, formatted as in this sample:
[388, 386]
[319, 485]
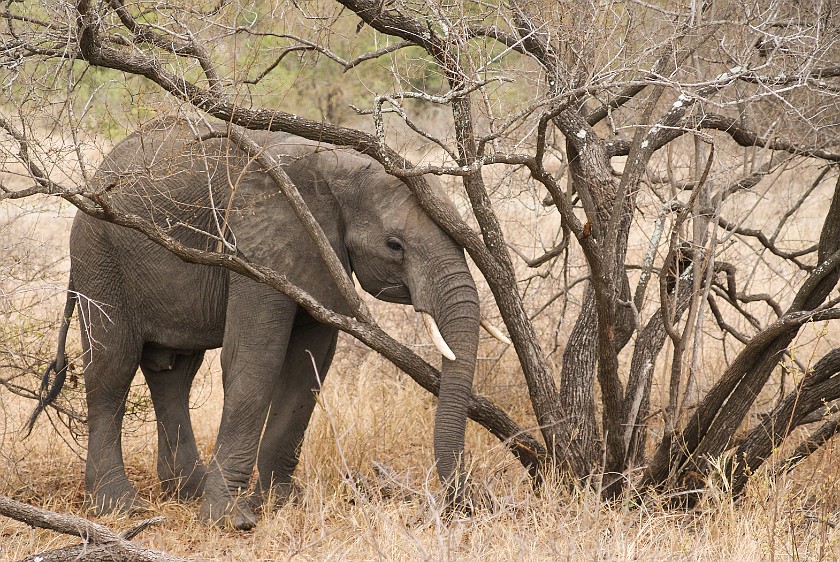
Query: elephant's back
[166, 175]
[160, 176]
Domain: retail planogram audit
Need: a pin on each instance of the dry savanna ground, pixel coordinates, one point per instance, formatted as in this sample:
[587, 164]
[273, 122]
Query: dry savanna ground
[368, 492]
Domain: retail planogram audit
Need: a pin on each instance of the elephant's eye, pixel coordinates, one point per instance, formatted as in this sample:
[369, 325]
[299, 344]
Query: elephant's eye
[394, 244]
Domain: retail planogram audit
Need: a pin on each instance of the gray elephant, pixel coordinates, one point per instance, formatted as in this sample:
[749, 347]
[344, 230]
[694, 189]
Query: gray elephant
[154, 310]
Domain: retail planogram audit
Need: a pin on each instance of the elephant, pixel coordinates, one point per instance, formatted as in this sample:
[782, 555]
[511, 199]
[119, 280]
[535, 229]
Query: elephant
[143, 306]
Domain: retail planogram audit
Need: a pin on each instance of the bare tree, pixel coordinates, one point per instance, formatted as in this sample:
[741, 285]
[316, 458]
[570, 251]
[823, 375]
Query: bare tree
[693, 145]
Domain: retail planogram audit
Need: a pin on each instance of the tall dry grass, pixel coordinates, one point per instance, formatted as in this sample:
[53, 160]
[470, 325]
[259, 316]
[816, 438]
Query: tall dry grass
[349, 512]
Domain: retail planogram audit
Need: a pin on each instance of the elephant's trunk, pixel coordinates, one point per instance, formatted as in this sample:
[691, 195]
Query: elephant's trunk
[455, 308]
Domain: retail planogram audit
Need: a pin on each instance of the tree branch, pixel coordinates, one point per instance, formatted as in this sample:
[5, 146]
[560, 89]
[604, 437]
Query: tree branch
[99, 542]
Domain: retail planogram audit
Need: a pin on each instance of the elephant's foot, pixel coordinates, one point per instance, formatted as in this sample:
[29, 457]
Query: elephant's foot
[226, 504]
[467, 500]
[184, 484]
[116, 498]
[275, 496]
[235, 513]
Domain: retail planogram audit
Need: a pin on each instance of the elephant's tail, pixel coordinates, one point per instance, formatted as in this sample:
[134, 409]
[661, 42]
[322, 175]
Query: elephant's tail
[59, 365]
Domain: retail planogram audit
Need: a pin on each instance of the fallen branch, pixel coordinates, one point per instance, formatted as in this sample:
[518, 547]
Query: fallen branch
[100, 543]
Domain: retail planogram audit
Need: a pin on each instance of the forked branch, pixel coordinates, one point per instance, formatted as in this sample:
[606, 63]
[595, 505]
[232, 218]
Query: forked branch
[100, 543]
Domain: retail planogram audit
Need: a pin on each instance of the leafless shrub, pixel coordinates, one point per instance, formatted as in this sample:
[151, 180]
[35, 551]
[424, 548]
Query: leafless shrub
[635, 177]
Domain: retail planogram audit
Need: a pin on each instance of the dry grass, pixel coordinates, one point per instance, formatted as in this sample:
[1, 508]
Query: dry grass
[366, 417]
[369, 414]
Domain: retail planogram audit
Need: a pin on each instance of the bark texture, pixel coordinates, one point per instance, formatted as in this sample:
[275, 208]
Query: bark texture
[100, 543]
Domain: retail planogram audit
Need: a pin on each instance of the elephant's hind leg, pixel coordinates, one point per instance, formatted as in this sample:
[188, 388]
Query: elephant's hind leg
[112, 364]
[292, 403]
[179, 466]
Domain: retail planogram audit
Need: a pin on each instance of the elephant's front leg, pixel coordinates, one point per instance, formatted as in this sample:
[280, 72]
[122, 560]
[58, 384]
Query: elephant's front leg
[257, 329]
[308, 357]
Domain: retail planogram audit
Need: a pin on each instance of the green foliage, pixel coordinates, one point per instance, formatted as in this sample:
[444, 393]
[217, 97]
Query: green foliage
[310, 84]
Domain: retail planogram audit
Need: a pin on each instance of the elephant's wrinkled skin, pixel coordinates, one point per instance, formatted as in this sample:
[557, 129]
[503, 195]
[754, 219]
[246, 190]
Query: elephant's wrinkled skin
[161, 313]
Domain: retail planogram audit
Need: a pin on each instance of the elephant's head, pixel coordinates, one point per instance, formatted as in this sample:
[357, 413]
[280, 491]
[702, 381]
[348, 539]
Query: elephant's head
[399, 254]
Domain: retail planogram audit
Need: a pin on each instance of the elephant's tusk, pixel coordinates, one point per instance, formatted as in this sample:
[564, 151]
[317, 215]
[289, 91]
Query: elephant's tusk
[437, 339]
[495, 332]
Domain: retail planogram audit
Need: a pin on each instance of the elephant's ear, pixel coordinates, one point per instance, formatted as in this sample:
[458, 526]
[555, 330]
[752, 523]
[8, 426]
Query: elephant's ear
[266, 231]
[340, 173]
